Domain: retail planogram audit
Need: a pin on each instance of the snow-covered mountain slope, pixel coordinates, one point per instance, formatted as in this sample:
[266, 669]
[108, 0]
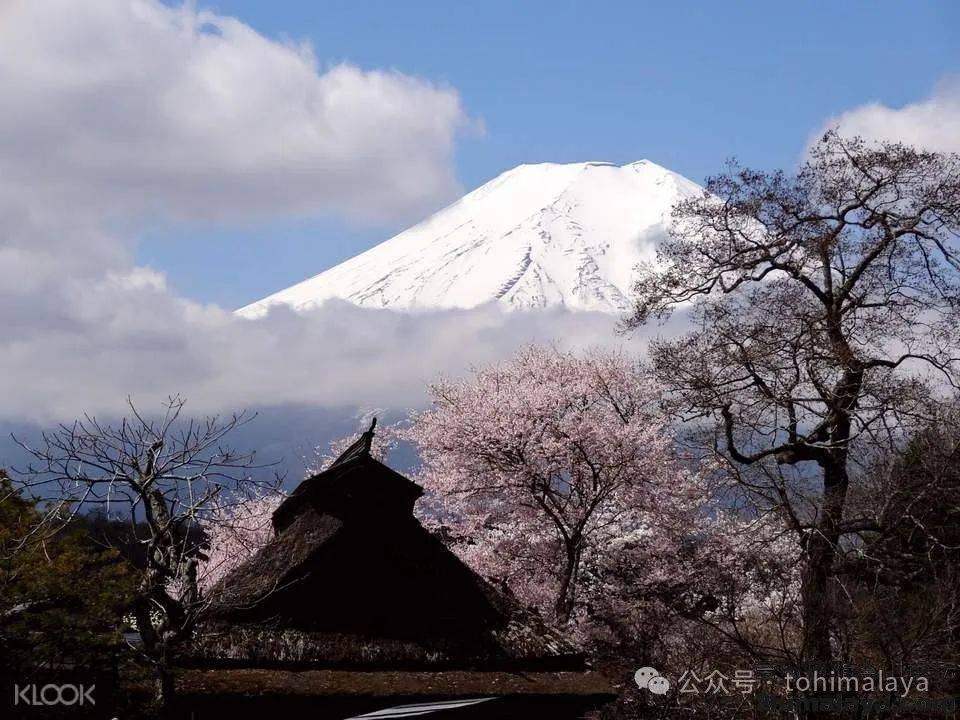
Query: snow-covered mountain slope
[536, 236]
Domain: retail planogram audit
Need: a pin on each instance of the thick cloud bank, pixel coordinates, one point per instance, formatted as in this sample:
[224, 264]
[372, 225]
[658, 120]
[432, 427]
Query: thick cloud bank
[128, 334]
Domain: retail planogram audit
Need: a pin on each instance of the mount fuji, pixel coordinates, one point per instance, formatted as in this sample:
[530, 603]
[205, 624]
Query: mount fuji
[537, 236]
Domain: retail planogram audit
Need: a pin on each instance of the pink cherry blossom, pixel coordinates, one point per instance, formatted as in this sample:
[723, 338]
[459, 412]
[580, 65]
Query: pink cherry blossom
[236, 528]
[545, 467]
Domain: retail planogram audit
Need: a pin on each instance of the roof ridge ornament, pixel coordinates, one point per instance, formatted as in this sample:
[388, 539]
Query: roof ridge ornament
[367, 437]
[359, 448]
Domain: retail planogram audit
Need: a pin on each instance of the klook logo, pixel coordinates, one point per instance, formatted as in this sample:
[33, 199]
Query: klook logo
[33, 694]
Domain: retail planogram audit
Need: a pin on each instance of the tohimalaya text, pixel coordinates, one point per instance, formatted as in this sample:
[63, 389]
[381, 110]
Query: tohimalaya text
[832, 682]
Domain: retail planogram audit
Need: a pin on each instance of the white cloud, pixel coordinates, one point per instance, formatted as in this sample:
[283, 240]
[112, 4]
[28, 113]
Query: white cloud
[89, 343]
[932, 123]
[130, 106]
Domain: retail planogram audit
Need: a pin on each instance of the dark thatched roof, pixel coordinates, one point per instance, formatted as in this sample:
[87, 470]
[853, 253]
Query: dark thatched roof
[353, 581]
[354, 484]
[520, 643]
[276, 566]
[452, 684]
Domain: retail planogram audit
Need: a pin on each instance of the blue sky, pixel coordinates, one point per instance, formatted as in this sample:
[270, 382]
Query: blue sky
[684, 84]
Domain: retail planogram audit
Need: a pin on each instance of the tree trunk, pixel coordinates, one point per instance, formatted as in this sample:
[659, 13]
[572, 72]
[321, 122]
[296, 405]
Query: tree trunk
[165, 688]
[820, 552]
[566, 596]
[816, 610]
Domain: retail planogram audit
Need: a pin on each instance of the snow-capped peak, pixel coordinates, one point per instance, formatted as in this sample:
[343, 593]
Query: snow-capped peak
[535, 236]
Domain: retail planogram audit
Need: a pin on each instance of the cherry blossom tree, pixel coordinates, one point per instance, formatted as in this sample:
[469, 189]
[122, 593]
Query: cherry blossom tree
[538, 466]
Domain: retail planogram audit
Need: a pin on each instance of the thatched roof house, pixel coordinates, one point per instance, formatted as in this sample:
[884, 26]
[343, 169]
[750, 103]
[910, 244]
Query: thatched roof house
[355, 607]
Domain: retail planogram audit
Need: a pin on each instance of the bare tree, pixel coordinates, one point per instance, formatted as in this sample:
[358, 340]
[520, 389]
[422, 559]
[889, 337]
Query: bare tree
[825, 313]
[905, 577]
[162, 475]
